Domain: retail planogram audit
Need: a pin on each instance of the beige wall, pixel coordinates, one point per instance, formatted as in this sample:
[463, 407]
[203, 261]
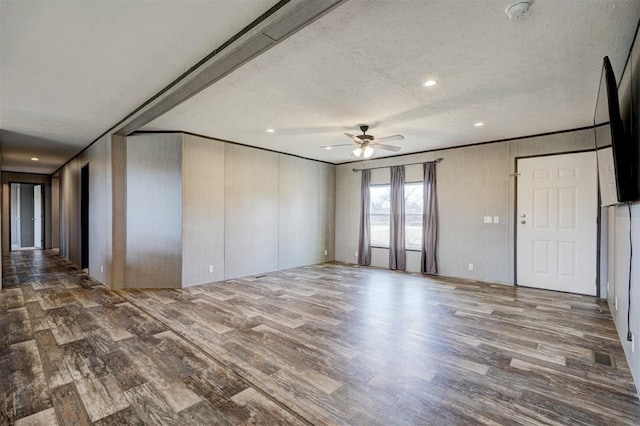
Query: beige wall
[306, 206]
[70, 210]
[55, 211]
[248, 211]
[251, 211]
[96, 156]
[117, 208]
[64, 211]
[617, 240]
[154, 211]
[66, 202]
[472, 182]
[203, 195]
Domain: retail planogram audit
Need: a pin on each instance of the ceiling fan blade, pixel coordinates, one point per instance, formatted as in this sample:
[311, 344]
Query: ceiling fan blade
[388, 147]
[354, 138]
[390, 138]
[333, 146]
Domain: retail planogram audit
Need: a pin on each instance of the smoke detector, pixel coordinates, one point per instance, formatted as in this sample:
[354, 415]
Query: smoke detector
[518, 9]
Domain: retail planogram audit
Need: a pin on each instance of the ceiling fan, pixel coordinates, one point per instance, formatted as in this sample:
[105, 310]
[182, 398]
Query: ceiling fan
[367, 143]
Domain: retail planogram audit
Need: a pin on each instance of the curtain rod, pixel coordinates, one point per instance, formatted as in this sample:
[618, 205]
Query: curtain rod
[437, 160]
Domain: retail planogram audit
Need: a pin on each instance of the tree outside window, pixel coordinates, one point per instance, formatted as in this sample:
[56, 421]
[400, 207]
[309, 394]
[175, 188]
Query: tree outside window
[413, 216]
[380, 211]
[380, 215]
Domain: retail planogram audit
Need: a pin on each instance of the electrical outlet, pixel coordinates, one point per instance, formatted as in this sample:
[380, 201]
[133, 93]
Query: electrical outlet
[471, 266]
[325, 252]
[211, 269]
[356, 253]
[633, 344]
[102, 269]
[615, 302]
[496, 219]
[488, 219]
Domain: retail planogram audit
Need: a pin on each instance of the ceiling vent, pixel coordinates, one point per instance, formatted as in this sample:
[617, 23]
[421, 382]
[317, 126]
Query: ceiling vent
[518, 9]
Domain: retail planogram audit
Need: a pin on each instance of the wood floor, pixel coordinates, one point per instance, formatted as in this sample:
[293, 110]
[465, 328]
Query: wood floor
[324, 344]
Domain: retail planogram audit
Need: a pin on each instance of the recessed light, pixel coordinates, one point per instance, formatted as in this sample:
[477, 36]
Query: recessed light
[479, 124]
[35, 159]
[429, 83]
[270, 130]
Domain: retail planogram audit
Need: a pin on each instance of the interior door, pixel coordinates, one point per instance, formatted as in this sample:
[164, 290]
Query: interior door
[37, 216]
[26, 215]
[556, 228]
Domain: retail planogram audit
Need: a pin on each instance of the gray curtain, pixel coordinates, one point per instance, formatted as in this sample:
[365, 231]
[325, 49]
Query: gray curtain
[397, 253]
[428, 263]
[364, 245]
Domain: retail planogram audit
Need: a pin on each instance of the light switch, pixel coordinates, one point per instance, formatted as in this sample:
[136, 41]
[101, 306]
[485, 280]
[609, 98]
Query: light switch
[487, 219]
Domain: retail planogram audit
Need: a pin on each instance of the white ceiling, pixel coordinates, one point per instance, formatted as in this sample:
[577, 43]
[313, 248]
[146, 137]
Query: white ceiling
[365, 61]
[70, 70]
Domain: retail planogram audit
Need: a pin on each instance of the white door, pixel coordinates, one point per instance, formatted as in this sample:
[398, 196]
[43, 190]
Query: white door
[556, 226]
[37, 216]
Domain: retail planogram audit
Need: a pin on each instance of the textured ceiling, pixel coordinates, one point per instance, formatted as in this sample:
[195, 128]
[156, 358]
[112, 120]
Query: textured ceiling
[365, 62]
[70, 70]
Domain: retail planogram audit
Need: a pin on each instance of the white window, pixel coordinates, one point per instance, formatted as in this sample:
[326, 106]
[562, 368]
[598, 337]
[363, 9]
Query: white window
[413, 216]
[380, 215]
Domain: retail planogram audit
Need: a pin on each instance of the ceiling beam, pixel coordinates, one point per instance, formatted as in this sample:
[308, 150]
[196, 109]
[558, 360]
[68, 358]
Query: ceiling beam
[283, 20]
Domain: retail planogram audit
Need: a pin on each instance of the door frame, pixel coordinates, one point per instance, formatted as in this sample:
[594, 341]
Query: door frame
[515, 216]
[43, 212]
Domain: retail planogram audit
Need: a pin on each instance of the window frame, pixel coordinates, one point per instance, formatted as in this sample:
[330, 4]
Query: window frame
[378, 185]
[418, 250]
[405, 224]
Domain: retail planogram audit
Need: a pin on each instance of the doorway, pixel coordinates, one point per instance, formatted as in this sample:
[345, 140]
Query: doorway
[84, 217]
[556, 223]
[26, 216]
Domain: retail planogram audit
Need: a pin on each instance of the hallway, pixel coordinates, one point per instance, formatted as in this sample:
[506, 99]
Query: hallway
[23, 267]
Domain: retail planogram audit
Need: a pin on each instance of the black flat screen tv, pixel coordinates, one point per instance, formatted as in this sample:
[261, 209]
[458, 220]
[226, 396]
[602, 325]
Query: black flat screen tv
[618, 166]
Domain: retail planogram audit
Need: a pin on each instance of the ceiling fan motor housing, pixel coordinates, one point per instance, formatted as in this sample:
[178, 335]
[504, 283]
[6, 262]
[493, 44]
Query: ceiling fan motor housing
[364, 137]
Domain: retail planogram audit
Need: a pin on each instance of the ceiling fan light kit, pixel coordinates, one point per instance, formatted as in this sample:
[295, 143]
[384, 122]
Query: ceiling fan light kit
[365, 151]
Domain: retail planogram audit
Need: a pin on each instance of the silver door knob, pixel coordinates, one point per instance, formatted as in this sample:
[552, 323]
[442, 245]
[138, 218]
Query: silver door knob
[523, 222]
